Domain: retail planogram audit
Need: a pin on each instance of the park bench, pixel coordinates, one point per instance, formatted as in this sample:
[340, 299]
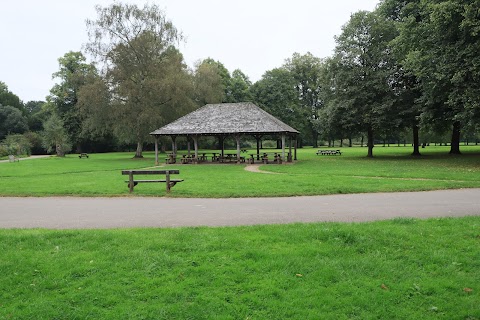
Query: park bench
[133, 182]
[83, 155]
[12, 158]
[329, 152]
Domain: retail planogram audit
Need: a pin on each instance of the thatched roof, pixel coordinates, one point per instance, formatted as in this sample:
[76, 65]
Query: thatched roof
[226, 118]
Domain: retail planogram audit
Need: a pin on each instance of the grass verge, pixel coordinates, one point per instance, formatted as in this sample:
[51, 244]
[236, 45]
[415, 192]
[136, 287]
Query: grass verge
[398, 269]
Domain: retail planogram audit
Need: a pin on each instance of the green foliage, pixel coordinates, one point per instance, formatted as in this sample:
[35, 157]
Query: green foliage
[307, 71]
[275, 92]
[402, 269]
[7, 98]
[147, 78]
[73, 74]
[208, 84]
[446, 62]
[17, 144]
[362, 66]
[55, 137]
[11, 121]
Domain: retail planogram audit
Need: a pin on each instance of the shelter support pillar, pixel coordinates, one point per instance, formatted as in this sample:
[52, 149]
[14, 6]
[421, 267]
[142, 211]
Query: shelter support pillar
[283, 147]
[258, 137]
[237, 137]
[188, 146]
[195, 145]
[289, 158]
[295, 148]
[174, 145]
[156, 150]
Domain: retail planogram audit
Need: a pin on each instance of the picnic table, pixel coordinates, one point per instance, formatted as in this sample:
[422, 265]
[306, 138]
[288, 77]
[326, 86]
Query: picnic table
[329, 152]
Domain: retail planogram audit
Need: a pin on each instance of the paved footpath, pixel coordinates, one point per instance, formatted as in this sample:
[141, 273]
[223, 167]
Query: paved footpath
[76, 213]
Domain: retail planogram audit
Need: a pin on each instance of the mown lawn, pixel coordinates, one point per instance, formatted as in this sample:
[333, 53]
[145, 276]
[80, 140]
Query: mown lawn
[398, 269]
[392, 169]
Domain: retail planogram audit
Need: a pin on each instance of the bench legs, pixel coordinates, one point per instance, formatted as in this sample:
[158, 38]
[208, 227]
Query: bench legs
[130, 182]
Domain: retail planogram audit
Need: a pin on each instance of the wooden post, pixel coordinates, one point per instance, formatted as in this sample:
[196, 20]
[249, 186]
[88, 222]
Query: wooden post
[174, 146]
[290, 149]
[295, 148]
[156, 150]
[258, 137]
[188, 145]
[130, 181]
[167, 179]
[283, 147]
[237, 137]
[195, 145]
[222, 144]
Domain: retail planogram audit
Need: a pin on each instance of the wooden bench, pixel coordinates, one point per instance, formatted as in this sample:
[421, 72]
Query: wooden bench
[133, 182]
[12, 158]
[83, 155]
[329, 152]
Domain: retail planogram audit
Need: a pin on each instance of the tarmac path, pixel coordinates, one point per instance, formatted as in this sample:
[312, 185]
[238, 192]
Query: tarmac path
[126, 212]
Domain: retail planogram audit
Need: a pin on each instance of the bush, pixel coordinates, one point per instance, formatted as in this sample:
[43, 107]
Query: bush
[35, 140]
[17, 144]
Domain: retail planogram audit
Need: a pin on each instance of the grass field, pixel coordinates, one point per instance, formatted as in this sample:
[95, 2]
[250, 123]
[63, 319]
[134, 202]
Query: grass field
[392, 169]
[399, 269]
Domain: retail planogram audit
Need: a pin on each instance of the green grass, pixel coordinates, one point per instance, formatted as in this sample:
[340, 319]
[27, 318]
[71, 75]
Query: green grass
[398, 269]
[392, 169]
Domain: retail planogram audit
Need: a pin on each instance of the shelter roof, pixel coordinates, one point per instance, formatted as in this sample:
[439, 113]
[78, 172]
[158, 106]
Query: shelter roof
[226, 118]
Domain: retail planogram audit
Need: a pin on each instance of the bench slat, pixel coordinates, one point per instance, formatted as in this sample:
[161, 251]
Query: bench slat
[171, 180]
[125, 172]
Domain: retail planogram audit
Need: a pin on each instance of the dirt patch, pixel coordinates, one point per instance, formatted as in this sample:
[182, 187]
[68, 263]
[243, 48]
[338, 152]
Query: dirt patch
[256, 168]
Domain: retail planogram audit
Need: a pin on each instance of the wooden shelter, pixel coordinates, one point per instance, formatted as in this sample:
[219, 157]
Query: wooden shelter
[228, 120]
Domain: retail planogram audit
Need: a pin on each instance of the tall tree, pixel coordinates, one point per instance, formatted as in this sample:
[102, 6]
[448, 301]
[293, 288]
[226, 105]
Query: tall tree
[144, 72]
[8, 98]
[446, 62]
[208, 85]
[240, 87]
[362, 72]
[54, 136]
[72, 75]
[275, 92]
[306, 70]
[11, 121]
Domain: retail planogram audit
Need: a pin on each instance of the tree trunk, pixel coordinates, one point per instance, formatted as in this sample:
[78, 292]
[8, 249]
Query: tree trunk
[138, 152]
[350, 142]
[370, 142]
[315, 138]
[455, 142]
[361, 143]
[416, 141]
[59, 150]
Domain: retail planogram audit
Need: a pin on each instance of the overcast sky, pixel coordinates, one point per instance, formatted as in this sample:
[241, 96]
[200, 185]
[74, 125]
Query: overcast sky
[251, 35]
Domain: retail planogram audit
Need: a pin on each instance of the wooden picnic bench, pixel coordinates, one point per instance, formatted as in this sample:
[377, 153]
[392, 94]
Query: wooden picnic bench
[12, 158]
[133, 182]
[83, 155]
[329, 152]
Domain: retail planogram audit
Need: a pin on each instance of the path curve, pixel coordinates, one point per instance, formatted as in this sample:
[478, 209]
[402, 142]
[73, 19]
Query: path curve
[78, 213]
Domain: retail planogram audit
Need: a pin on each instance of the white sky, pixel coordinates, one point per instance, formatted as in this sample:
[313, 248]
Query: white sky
[251, 35]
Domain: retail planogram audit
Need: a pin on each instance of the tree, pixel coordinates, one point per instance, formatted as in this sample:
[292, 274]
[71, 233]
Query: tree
[446, 62]
[362, 67]
[73, 72]
[148, 81]
[7, 98]
[240, 87]
[35, 115]
[11, 121]
[208, 85]
[275, 93]
[306, 70]
[55, 137]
